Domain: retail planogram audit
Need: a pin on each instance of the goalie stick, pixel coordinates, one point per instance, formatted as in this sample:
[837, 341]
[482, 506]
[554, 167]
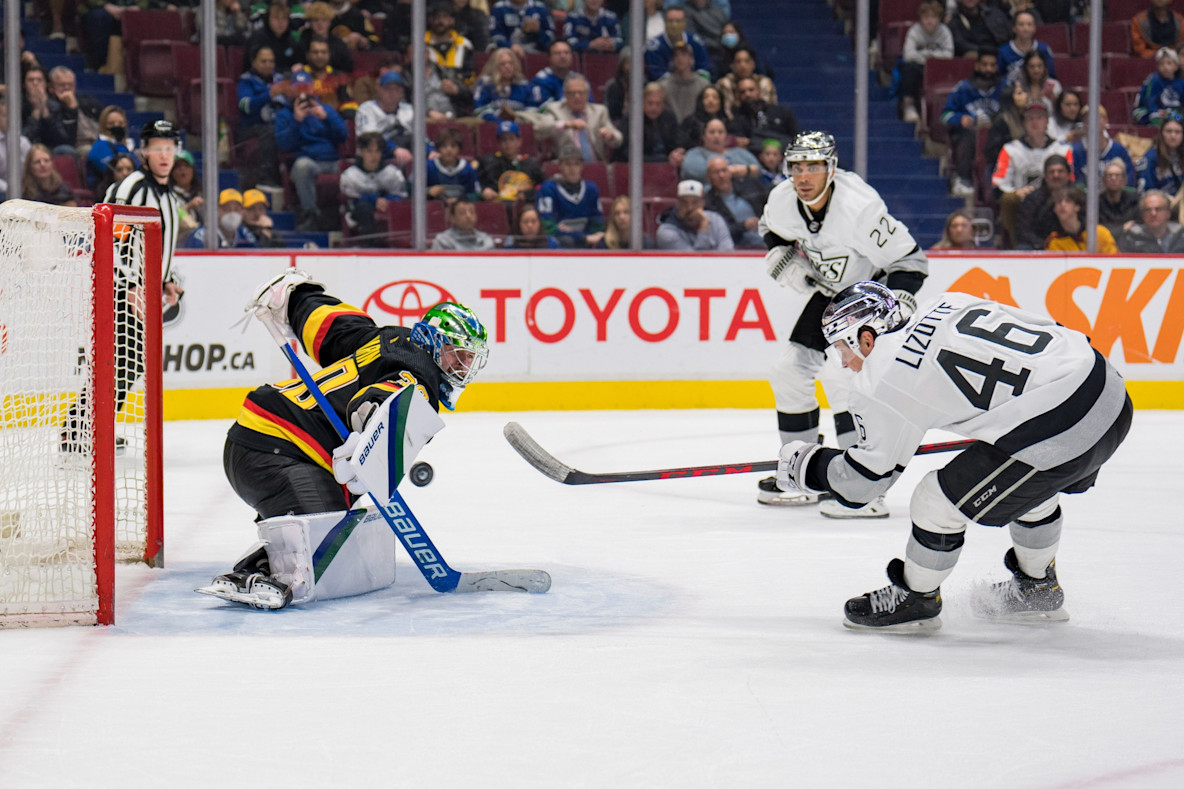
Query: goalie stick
[548, 464]
[436, 571]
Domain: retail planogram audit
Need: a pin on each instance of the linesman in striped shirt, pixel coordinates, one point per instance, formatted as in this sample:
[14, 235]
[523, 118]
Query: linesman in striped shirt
[148, 186]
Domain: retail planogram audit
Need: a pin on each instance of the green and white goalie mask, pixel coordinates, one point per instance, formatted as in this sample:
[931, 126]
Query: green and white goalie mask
[458, 343]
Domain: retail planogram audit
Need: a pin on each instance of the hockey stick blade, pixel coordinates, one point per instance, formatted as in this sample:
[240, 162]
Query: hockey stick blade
[532, 581]
[551, 466]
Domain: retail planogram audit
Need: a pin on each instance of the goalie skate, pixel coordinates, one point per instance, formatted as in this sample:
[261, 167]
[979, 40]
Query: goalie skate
[1022, 599]
[252, 589]
[769, 493]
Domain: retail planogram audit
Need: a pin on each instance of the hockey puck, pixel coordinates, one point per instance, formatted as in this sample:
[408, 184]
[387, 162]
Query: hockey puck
[421, 474]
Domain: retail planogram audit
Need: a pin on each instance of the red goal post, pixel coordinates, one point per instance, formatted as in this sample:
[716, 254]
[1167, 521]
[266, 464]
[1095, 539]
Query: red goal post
[80, 407]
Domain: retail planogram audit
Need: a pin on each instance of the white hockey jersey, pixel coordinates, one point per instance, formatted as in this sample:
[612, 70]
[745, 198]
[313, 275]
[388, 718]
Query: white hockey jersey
[1019, 381]
[856, 240]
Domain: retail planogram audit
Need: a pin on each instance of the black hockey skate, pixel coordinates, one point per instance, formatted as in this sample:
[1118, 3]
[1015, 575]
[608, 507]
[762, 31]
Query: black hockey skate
[253, 589]
[1023, 599]
[250, 583]
[895, 608]
[769, 493]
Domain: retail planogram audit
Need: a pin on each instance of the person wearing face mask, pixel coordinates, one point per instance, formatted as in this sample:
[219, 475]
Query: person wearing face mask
[660, 49]
[732, 40]
[231, 232]
[112, 140]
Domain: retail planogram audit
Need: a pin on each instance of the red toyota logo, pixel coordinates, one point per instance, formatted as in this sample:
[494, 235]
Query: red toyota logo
[405, 301]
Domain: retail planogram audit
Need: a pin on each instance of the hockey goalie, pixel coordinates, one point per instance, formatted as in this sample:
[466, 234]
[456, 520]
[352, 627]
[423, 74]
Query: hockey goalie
[284, 457]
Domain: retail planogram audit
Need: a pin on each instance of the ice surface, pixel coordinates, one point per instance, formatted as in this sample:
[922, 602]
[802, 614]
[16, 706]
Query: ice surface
[692, 638]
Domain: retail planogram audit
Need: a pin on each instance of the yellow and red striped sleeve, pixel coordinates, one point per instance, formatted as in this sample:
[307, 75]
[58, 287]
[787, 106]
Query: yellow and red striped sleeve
[316, 327]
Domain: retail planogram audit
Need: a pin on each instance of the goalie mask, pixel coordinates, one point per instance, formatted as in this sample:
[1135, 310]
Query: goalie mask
[456, 339]
[864, 305]
[812, 146]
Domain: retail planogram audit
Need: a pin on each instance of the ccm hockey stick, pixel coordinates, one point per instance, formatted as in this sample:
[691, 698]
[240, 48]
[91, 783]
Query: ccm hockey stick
[436, 571]
[559, 471]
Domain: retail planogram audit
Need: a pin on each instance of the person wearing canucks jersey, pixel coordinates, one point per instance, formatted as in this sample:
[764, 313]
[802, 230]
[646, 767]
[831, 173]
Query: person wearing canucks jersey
[282, 453]
[825, 229]
[1047, 411]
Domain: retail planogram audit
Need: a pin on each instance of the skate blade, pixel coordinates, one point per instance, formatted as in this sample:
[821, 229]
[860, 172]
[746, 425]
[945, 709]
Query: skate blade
[808, 500]
[1027, 617]
[847, 514]
[920, 627]
[261, 602]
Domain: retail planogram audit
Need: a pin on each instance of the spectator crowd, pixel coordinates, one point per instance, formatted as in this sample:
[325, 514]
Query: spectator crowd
[1014, 125]
[527, 112]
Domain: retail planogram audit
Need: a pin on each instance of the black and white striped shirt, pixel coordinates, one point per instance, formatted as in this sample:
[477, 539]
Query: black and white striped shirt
[141, 189]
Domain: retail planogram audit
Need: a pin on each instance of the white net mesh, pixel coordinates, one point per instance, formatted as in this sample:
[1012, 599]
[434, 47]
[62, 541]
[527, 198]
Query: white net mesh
[47, 354]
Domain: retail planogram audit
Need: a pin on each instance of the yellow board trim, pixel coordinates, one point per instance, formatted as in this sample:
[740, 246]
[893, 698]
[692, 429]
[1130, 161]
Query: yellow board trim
[604, 395]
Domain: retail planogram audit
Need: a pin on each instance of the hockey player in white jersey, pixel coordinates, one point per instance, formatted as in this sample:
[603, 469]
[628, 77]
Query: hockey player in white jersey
[1047, 410]
[827, 229]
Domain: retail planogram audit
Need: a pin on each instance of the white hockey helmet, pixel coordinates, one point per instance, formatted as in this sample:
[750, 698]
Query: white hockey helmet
[864, 305]
[812, 146]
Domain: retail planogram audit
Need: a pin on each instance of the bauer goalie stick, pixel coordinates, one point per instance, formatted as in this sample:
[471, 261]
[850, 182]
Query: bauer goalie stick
[428, 560]
[559, 471]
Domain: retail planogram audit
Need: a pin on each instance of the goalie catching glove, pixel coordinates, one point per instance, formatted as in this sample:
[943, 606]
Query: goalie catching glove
[270, 302]
[792, 464]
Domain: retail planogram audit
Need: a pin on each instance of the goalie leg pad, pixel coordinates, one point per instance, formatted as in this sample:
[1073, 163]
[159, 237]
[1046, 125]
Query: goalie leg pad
[329, 555]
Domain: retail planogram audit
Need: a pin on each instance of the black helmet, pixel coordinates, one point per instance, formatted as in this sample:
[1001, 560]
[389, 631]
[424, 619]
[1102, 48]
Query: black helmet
[159, 129]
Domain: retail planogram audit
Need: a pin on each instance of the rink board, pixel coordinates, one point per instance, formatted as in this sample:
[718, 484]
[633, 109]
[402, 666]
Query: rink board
[626, 331]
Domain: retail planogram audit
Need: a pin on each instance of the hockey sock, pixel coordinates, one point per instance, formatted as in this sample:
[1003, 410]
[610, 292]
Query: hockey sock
[1036, 542]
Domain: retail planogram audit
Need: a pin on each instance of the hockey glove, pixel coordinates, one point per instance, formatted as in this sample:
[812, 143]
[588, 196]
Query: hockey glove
[789, 268]
[343, 472]
[907, 303]
[270, 301]
[359, 418]
[791, 466]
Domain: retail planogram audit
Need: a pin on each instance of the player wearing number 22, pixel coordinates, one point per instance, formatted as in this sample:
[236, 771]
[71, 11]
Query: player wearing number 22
[827, 229]
[284, 457]
[1047, 411]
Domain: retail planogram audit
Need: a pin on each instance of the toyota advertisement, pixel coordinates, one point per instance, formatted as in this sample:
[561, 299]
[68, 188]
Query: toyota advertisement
[567, 319]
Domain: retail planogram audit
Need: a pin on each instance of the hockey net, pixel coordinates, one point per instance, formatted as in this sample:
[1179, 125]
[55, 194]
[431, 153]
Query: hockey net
[80, 407]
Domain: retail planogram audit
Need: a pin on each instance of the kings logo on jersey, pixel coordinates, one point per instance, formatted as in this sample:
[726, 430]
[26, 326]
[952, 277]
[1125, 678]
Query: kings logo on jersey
[830, 270]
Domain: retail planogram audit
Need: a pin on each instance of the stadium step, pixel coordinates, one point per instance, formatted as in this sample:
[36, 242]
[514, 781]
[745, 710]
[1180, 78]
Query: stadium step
[814, 70]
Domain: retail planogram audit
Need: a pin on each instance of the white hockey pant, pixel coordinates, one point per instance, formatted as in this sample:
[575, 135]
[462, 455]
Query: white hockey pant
[792, 379]
[1036, 536]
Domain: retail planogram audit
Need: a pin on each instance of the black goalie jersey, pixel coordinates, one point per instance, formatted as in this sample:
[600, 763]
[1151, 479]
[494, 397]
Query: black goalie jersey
[360, 362]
